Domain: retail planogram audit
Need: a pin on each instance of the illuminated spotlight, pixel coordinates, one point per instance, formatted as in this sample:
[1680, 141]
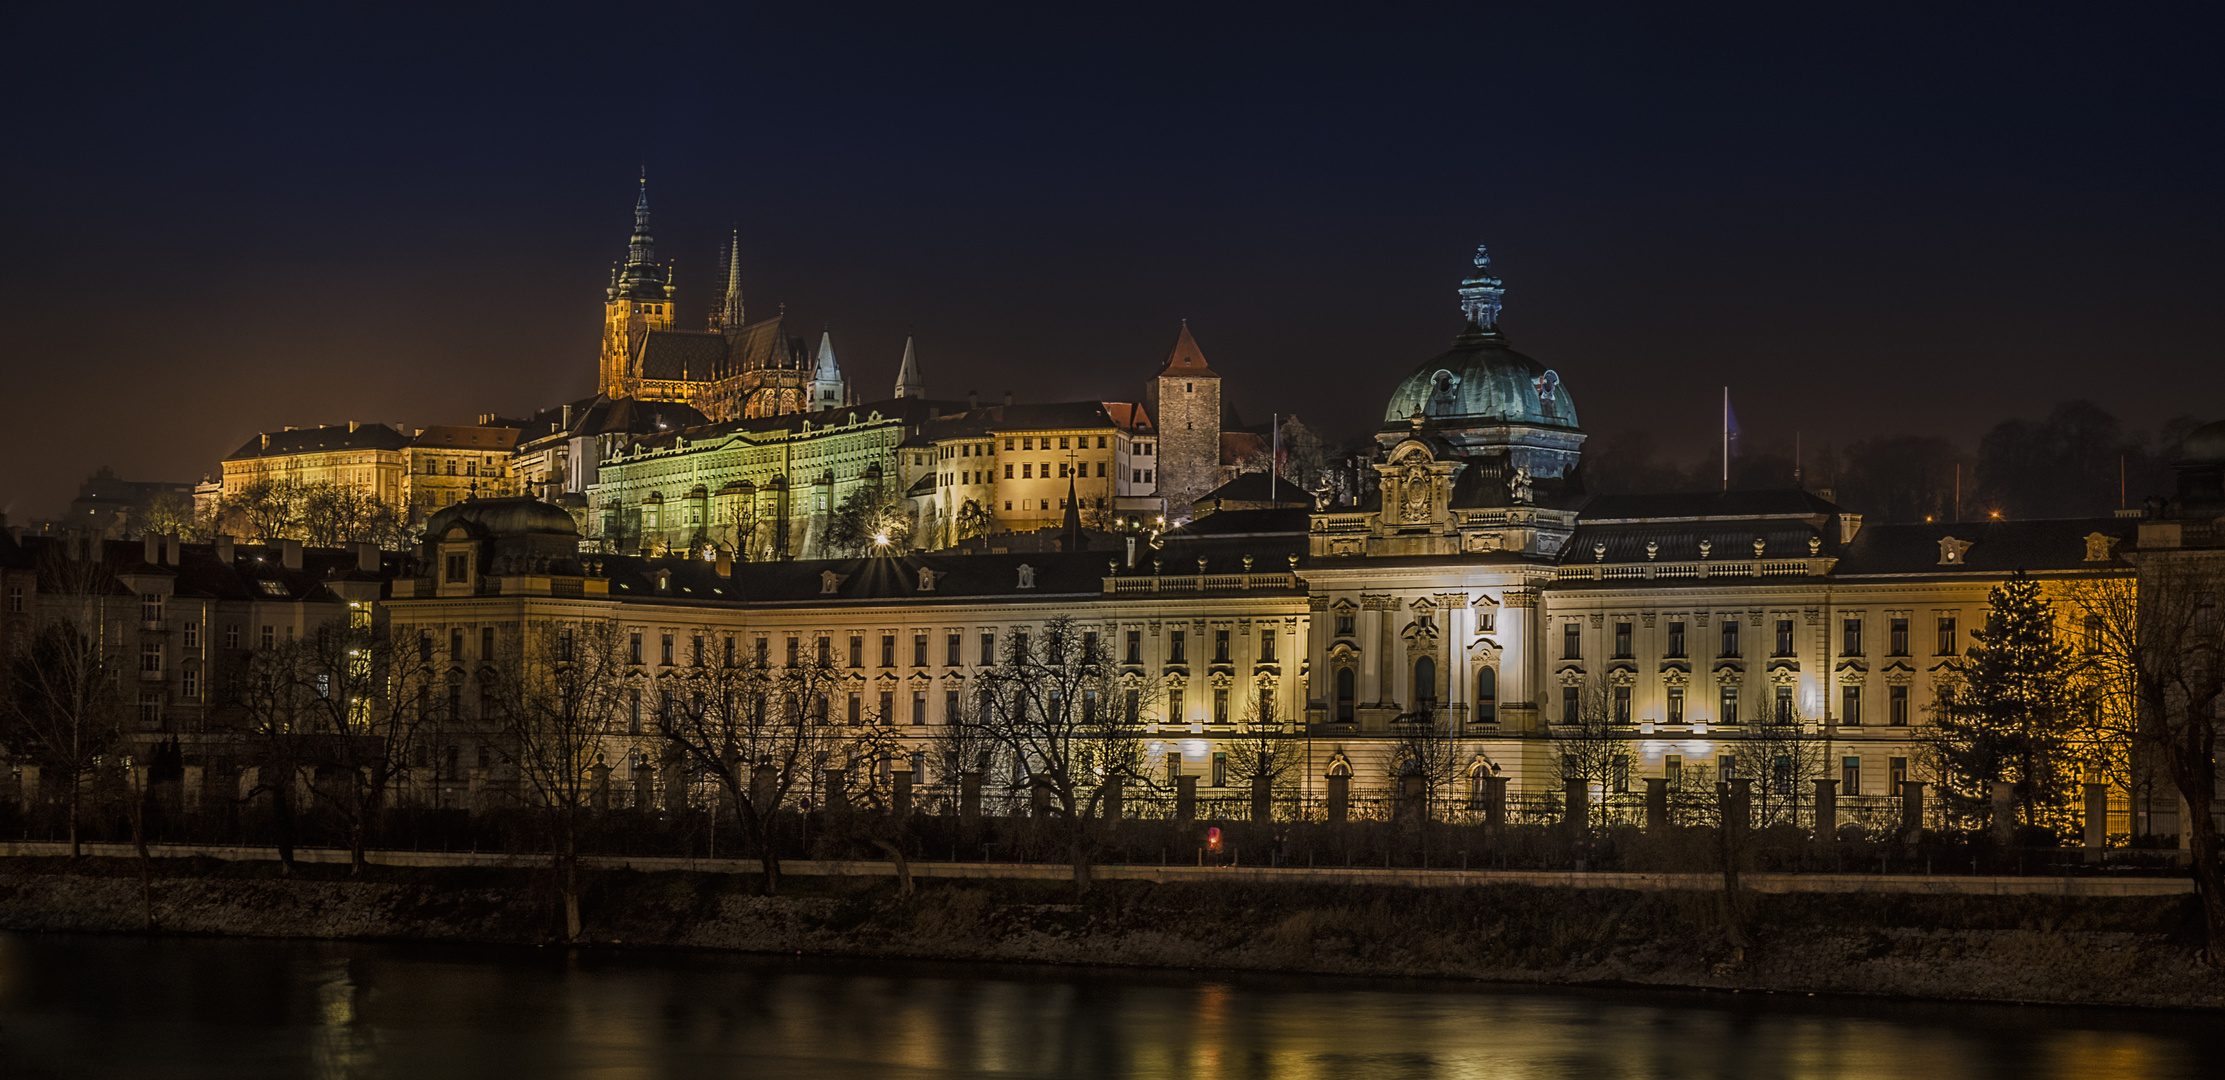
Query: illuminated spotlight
[880, 539]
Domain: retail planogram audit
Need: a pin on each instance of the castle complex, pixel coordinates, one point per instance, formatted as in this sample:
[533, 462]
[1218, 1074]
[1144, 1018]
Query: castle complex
[1473, 597]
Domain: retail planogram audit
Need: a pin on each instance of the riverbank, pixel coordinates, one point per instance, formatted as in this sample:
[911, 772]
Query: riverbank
[2108, 950]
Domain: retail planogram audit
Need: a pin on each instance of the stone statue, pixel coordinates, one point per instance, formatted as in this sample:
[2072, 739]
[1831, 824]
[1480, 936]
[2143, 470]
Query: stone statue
[1518, 486]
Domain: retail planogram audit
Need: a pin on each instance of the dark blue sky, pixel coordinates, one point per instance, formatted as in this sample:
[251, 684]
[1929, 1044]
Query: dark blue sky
[1872, 222]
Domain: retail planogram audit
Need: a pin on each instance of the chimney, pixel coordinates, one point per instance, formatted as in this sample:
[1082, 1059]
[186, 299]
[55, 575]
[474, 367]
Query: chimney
[725, 563]
[1008, 397]
[172, 552]
[289, 554]
[567, 418]
[486, 419]
[367, 557]
[266, 440]
[973, 399]
[224, 549]
[352, 425]
[153, 543]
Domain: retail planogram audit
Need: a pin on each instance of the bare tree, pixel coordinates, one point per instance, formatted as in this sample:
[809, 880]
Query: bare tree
[359, 717]
[1263, 756]
[1787, 756]
[63, 707]
[760, 732]
[552, 696]
[1590, 747]
[1048, 707]
[2157, 647]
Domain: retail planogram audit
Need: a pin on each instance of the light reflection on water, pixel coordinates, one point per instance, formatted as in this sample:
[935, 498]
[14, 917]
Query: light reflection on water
[123, 1007]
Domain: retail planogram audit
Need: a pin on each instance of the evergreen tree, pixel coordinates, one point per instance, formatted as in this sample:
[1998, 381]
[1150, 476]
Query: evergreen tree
[2002, 712]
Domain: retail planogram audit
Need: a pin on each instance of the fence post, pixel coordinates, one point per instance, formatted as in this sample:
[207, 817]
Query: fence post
[1185, 799]
[900, 795]
[1413, 804]
[1495, 801]
[2004, 811]
[1657, 803]
[1262, 806]
[644, 785]
[2097, 820]
[1827, 811]
[1912, 810]
[599, 786]
[1113, 808]
[969, 799]
[1578, 815]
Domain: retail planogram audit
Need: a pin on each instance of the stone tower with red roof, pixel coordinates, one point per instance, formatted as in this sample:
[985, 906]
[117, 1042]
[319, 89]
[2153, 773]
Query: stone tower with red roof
[1185, 403]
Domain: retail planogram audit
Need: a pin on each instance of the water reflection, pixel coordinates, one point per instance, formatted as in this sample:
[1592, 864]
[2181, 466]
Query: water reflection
[78, 1006]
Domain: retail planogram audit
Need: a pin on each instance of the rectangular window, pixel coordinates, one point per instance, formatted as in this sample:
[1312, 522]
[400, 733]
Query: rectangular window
[795, 651]
[988, 647]
[1672, 766]
[1896, 703]
[664, 648]
[1135, 646]
[15, 598]
[1620, 774]
[1947, 635]
[1850, 776]
[1850, 706]
[1174, 765]
[1572, 641]
[1344, 624]
[189, 684]
[1850, 637]
[1220, 769]
[1220, 705]
[455, 642]
[633, 647]
[857, 650]
[231, 641]
[486, 643]
[764, 652]
[1676, 705]
[192, 637]
[1676, 638]
[950, 706]
[1175, 713]
[887, 714]
[1220, 646]
[888, 650]
[633, 709]
[1896, 774]
[1784, 637]
[856, 708]
[1176, 654]
[1622, 640]
[1784, 705]
[1727, 765]
[1728, 713]
[150, 657]
[150, 608]
[1571, 705]
[1730, 635]
[1899, 643]
[459, 568]
[1622, 704]
[919, 708]
[1027, 470]
[1267, 646]
[919, 650]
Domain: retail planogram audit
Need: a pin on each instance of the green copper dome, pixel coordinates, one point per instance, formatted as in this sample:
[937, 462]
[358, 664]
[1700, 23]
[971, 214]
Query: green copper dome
[1480, 382]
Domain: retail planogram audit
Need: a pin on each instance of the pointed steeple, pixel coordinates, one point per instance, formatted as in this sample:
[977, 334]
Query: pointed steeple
[908, 382]
[641, 248]
[729, 315]
[642, 278]
[1186, 360]
[1073, 515]
[828, 389]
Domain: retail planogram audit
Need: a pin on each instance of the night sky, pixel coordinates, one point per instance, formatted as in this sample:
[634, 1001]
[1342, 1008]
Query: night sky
[1871, 223]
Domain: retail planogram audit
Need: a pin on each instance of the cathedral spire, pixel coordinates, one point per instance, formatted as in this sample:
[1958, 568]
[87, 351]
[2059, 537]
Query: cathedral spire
[729, 315]
[641, 250]
[1481, 295]
[908, 382]
[828, 389]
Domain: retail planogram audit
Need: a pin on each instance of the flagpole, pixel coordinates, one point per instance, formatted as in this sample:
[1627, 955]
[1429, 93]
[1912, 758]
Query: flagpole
[1274, 456]
[1726, 438]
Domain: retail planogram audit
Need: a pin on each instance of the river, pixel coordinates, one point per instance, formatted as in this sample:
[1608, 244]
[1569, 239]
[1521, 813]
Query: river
[133, 1007]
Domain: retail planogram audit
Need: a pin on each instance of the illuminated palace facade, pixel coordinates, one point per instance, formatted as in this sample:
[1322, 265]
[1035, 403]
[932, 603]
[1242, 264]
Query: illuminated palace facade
[1479, 592]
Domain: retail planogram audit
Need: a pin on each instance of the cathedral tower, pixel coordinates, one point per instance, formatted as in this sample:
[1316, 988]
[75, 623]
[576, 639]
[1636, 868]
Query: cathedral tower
[908, 382]
[639, 300]
[828, 390]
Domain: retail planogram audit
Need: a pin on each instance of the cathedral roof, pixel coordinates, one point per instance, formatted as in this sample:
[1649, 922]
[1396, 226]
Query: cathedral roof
[683, 355]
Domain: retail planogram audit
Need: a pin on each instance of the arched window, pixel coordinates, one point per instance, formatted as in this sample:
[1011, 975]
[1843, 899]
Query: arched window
[1487, 695]
[1345, 695]
[1425, 681]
